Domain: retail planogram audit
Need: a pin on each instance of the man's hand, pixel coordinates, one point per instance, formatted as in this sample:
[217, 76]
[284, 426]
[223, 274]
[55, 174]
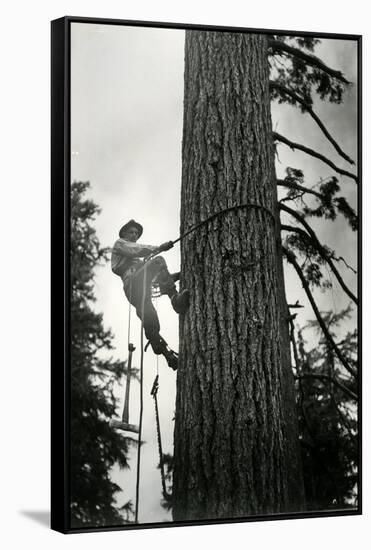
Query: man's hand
[165, 246]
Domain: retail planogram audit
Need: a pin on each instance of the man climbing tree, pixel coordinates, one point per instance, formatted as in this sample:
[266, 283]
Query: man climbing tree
[138, 278]
[236, 444]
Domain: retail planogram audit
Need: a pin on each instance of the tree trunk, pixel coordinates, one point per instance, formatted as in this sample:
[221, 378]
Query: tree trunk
[231, 433]
[294, 471]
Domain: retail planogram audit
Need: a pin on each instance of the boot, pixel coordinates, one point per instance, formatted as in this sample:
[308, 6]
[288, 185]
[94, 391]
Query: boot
[175, 276]
[167, 287]
[160, 347]
[171, 358]
[180, 301]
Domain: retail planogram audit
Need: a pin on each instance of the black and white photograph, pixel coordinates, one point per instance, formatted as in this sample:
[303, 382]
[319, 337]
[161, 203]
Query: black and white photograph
[213, 197]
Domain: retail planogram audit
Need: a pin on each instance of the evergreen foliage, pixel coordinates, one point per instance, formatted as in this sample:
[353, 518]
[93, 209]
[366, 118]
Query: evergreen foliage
[302, 72]
[326, 391]
[95, 446]
[327, 204]
[168, 463]
[327, 406]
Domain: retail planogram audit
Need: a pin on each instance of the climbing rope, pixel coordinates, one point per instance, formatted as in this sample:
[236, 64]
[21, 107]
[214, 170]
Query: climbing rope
[225, 211]
[129, 320]
[141, 399]
[154, 391]
[156, 296]
[208, 220]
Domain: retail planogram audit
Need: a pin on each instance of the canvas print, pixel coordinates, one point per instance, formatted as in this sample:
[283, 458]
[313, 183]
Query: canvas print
[214, 267]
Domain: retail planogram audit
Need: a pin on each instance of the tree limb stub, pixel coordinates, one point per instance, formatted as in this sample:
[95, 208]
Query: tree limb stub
[315, 154]
[291, 259]
[277, 46]
[308, 108]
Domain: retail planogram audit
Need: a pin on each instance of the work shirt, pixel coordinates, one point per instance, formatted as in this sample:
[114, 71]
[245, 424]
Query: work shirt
[125, 257]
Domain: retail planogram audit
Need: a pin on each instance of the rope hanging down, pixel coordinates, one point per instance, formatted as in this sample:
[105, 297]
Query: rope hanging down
[141, 402]
[154, 390]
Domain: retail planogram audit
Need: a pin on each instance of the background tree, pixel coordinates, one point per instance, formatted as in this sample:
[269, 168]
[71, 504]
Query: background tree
[95, 447]
[236, 435]
[327, 398]
[327, 374]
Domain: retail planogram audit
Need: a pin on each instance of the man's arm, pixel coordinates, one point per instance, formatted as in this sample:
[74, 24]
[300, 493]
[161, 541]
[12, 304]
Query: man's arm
[165, 246]
[132, 250]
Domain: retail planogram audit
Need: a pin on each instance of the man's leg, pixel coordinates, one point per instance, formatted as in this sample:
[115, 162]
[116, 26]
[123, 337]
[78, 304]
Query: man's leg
[147, 313]
[157, 268]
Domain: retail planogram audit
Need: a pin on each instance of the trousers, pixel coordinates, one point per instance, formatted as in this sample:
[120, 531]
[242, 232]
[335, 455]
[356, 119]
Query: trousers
[135, 290]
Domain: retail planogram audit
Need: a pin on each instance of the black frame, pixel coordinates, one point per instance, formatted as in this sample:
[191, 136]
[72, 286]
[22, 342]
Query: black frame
[60, 270]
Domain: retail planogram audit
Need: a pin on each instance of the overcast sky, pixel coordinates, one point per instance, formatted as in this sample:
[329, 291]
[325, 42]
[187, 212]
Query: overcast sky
[126, 115]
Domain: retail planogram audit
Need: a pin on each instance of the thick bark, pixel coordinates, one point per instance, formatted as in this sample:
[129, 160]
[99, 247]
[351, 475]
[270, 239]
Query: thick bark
[231, 436]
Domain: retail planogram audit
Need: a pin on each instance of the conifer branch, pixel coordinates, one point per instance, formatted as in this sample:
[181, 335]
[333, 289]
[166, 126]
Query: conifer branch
[308, 108]
[277, 46]
[325, 256]
[337, 202]
[341, 259]
[315, 154]
[331, 379]
[291, 259]
[290, 185]
[315, 241]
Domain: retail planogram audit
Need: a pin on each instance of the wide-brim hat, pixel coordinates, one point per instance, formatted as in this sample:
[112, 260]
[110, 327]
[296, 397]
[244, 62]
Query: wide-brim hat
[131, 223]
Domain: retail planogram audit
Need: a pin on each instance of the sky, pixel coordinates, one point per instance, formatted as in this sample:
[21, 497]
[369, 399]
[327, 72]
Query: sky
[126, 131]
